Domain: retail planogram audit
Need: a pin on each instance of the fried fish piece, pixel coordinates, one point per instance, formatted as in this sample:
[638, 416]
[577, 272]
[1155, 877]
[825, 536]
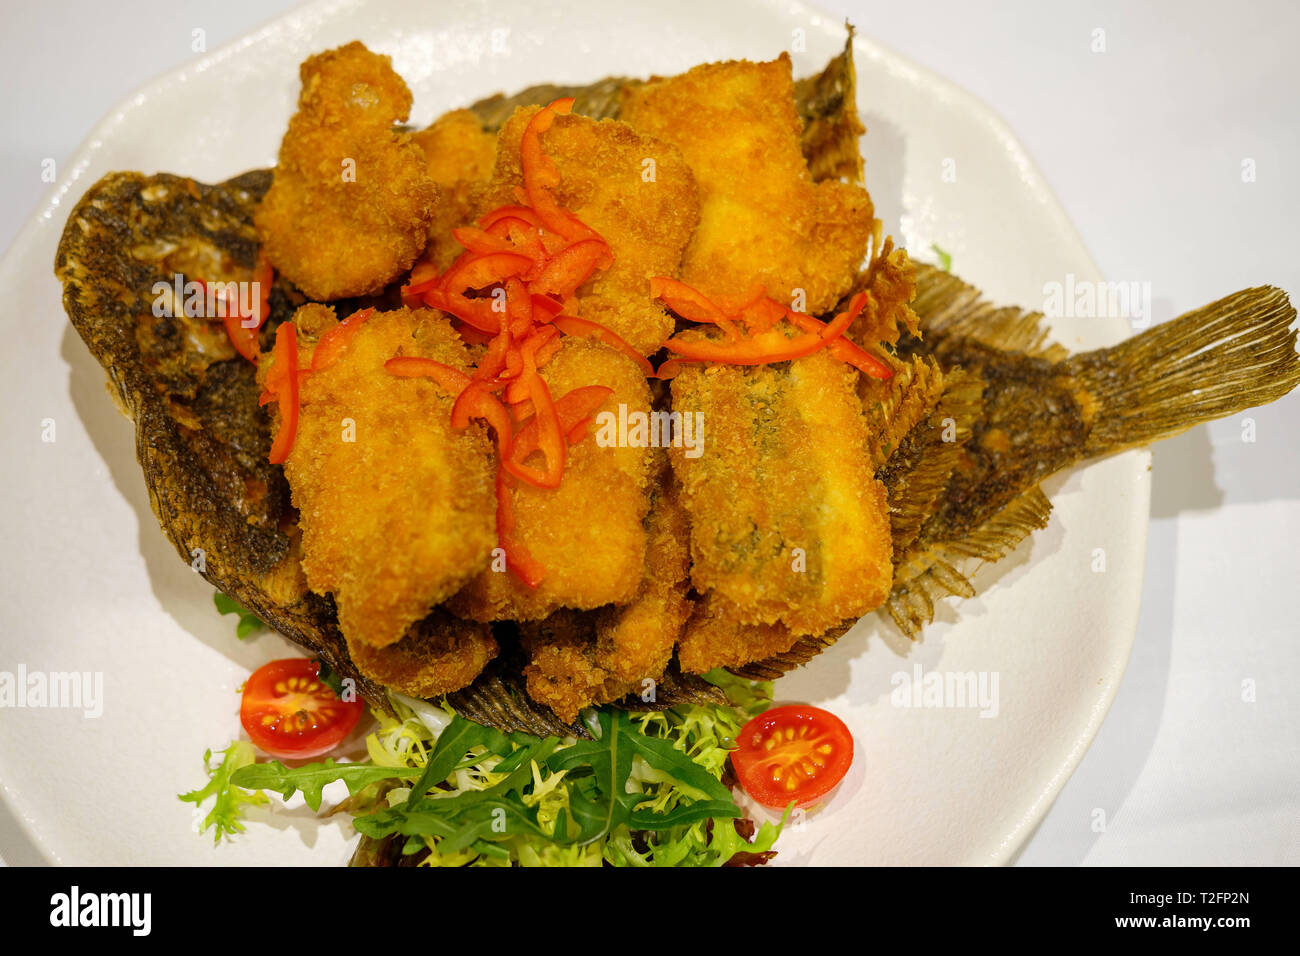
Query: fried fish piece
[788, 523]
[588, 533]
[762, 217]
[577, 659]
[351, 204]
[397, 509]
[438, 655]
[716, 636]
[461, 157]
[635, 190]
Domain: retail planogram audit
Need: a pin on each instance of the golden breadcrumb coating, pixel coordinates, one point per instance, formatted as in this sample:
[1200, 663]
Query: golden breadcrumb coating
[588, 532]
[715, 637]
[351, 201]
[438, 655]
[577, 658]
[461, 156]
[762, 218]
[636, 640]
[632, 189]
[397, 509]
[788, 523]
[563, 670]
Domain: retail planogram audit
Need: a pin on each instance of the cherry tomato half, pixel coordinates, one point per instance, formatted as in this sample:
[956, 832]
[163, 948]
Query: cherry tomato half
[794, 753]
[288, 712]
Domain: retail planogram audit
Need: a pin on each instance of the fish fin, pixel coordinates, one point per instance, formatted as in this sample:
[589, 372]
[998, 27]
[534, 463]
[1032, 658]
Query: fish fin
[676, 687]
[890, 278]
[828, 106]
[933, 572]
[803, 650]
[1230, 355]
[948, 307]
[499, 698]
[894, 407]
[918, 471]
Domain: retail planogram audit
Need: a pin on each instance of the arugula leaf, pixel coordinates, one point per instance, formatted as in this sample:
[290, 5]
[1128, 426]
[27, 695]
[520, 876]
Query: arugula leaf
[603, 803]
[311, 778]
[249, 623]
[470, 818]
[227, 811]
[453, 744]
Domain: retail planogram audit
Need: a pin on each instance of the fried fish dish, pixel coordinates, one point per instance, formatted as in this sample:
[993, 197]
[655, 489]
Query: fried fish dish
[584, 391]
[393, 519]
[351, 204]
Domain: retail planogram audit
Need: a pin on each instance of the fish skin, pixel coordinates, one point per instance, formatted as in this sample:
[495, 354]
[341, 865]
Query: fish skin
[201, 439]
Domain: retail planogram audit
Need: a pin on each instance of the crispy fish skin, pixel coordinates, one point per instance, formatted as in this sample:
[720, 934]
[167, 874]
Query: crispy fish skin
[1044, 411]
[788, 523]
[645, 212]
[351, 204]
[577, 659]
[588, 533]
[762, 217]
[397, 508]
[201, 438]
[461, 156]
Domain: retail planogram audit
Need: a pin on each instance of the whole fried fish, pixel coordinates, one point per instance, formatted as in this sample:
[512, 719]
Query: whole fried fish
[980, 412]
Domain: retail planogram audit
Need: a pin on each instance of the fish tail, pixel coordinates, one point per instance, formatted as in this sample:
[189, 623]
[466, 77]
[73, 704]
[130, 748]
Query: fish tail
[1233, 354]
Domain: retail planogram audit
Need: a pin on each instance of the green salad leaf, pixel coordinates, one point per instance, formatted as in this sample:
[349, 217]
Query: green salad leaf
[249, 623]
[227, 810]
[312, 778]
[945, 258]
[646, 791]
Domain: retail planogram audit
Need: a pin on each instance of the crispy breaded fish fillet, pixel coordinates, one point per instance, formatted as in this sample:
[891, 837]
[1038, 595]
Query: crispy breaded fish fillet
[461, 156]
[582, 658]
[351, 203]
[715, 636]
[634, 190]
[788, 524]
[396, 508]
[438, 655]
[588, 532]
[762, 218]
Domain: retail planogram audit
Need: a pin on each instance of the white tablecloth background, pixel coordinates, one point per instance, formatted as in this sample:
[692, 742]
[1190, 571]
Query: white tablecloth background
[1144, 145]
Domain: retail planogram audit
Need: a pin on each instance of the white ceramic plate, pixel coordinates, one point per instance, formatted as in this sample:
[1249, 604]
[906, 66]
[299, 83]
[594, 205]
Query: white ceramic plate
[90, 584]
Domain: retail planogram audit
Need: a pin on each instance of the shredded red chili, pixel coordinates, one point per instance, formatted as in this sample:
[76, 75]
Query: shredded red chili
[242, 328]
[282, 383]
[514, 289]
[762, 341]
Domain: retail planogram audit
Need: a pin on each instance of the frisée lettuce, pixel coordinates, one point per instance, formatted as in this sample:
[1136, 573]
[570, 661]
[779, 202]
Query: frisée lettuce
[646, 790]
